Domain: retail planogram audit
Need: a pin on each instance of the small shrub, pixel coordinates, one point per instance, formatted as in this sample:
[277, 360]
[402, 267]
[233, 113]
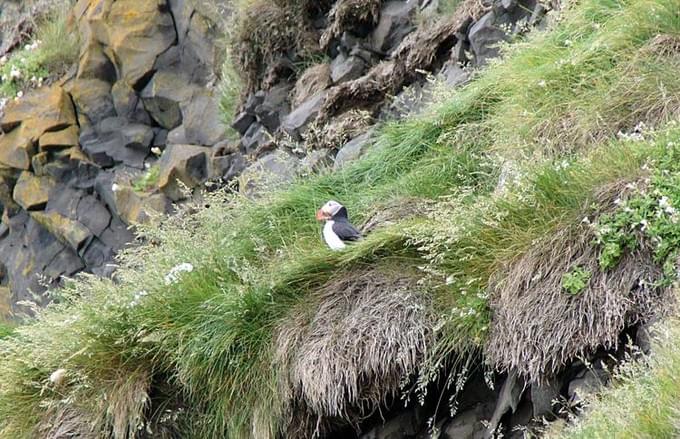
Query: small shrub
[576, 280]
[148, 181]
[651, 211]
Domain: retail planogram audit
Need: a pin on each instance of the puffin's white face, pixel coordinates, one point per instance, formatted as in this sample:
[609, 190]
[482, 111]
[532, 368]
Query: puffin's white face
[328, 210]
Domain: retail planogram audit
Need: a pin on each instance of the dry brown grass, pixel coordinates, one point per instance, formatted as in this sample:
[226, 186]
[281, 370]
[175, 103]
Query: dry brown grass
[313, 80]
[265, 32]
[120, 411]
[342, 357]
[350, 14]
[390, 213]
[420, 51]
[336, 133]
[538, 327]
[664, 45]
[66, 422]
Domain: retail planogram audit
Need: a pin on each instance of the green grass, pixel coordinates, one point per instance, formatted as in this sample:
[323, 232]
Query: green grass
[209, 336]
[52, 49]
[147, 181]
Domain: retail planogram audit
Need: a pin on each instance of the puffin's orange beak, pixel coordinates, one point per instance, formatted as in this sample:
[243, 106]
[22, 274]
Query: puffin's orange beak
[321, 215]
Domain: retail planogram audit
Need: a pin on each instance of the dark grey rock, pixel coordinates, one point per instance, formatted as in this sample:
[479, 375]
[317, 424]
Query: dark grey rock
[164, 94]
[274, 107]
[196, 52]
[396, 21]
[65, 263]
[509, 397]
[256, 136]
[253, 101]
[406, 424]
[348, 42]
[160, 138]
[117, 236]
[295, 123]
[177, 136]
[202, 120]
[65, 200]
[125, 99]
[453, 74]
[274, 169]
[467, 424]
[542, 396]
[93, 214]
[242, 122]
[227, 167]
[345, 68]
[484, 36]
[315, 161]
[97, 253]
[93, 101]
[114, 140]
[643, 338]
[164, 112]
[352, 150]
[187, 164]
[588, 381]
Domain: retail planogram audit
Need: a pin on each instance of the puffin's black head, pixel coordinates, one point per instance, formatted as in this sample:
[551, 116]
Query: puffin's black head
[331, 210]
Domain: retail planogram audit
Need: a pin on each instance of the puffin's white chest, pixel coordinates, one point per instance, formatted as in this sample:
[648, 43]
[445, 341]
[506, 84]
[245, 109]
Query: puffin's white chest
[333, 241]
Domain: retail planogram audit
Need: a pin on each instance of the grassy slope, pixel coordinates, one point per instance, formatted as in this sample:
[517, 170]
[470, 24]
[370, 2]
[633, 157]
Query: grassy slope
[560, 95]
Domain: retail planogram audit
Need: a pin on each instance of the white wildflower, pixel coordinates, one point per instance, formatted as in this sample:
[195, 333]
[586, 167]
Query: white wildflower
[174, 274]
[618, 201]
[665, 204]
[115, 187]
[542, 83]
[644, 224]
[20, 94]
[156, 150]
[57, 377]
[14, 73]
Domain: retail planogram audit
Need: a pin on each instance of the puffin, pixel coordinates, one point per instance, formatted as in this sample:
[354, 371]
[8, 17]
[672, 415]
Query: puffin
[337, 230]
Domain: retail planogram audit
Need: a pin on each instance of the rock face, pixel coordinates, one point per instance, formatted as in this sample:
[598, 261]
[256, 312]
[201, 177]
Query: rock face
[70, 153]
[371, 61]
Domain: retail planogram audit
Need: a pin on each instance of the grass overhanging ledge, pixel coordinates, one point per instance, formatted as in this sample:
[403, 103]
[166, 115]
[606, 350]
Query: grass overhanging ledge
[213, 350]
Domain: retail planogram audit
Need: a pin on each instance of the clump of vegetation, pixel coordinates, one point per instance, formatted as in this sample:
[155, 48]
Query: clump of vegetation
[52, 50]
[208, 348]
[576, 280]
[264, 31]
[6, 330]
[649, 211]
[148, 181]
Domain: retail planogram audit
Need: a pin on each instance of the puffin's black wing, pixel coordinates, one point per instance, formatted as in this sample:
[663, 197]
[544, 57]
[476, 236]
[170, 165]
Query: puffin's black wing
[346, 231]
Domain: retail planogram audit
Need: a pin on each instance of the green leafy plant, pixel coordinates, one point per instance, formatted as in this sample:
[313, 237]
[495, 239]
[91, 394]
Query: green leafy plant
[148, 181]
[575, 281]
[651, 212]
